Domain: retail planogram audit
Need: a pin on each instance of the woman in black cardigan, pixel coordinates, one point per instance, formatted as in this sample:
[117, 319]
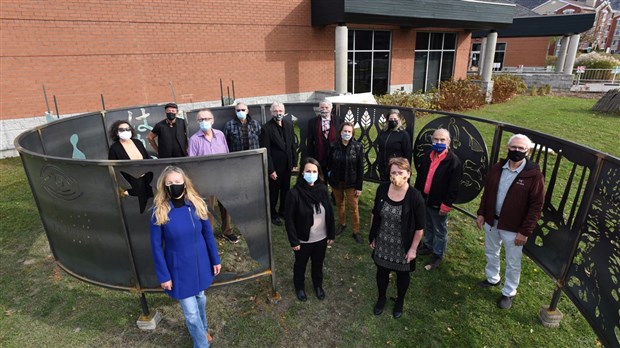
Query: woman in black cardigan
[393, 141]
[396, 230]
[125, 146]
[310, 226]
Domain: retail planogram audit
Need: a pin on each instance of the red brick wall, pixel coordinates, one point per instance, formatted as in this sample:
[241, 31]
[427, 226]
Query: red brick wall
[129, 51]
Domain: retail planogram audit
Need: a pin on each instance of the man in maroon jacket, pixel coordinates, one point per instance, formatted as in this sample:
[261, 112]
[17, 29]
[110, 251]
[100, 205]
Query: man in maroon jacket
[510, 207]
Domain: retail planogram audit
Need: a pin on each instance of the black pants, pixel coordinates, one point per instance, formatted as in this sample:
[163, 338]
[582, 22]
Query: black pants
[316, 253]
[279, 188]
[402, 284]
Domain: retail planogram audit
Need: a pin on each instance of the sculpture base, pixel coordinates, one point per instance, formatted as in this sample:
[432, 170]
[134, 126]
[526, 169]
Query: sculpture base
[148, 322]
[274, 298]
[550, 318]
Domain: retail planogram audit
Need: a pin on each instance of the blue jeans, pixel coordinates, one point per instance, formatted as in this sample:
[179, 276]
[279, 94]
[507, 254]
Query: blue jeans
[436, 231]
[195, 313]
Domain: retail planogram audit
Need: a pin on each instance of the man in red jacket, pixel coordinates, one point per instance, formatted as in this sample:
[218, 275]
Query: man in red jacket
[510, 207]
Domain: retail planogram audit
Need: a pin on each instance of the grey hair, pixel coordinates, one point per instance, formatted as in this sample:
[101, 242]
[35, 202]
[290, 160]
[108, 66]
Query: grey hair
[444, 131]
[325, 101]
[523, 137]
[240, 102]
[275, 104]
[204, 110]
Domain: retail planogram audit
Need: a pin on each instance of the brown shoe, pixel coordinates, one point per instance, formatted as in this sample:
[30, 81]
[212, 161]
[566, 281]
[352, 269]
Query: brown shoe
[209, 338]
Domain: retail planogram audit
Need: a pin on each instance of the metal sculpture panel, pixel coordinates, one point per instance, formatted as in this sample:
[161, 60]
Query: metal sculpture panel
[369, 121]
[79, 209]
[79, 137]
[593, 280]
[467, 144]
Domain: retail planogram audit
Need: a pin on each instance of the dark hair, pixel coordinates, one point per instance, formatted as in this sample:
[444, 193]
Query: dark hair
[346, 124]
[171, 105]
[311, 161]
[114, 130]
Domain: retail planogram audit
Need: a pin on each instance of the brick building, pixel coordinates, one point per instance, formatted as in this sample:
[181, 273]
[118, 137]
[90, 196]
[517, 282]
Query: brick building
[134, 52]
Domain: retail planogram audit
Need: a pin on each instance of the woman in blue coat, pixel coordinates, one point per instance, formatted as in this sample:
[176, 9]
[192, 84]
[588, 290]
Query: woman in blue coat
[184, 249]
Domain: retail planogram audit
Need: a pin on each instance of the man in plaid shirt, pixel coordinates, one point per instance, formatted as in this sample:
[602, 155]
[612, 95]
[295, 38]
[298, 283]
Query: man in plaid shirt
[242, 132]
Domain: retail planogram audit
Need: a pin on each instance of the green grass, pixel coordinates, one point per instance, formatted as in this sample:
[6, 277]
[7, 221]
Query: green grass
[44, 307]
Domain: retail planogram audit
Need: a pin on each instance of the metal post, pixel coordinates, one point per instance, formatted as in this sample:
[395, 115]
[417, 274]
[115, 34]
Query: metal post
[144, 305]
[102, 102]
[46, 101]
[56, 106]
[228, 91]
[221, 92]
[174, 96]
[233, 86]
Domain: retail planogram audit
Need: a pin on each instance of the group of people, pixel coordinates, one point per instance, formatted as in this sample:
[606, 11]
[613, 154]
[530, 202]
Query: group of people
[406, 220]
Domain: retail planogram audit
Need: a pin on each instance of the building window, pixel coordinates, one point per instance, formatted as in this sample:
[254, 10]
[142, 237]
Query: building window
[568, 11]
[369, 61]
[434, 59]
[498, 61]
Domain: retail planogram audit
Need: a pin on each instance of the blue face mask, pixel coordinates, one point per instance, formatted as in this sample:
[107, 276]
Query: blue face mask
[439, 148]
[241, 115]
[205, 126]
[346, 136]
[311, 177]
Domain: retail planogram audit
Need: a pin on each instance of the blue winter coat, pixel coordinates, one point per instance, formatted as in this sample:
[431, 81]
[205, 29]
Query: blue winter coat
[184, 251]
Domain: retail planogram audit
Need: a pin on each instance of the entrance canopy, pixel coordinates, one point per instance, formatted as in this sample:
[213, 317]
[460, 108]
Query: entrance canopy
[545, 26]
[467, 14]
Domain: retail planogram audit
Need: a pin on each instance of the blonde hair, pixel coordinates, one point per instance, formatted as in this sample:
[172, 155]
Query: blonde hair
[400, 162]
[161, 206]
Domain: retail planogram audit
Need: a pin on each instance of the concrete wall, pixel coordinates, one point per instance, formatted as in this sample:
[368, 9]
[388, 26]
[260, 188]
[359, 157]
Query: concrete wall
[558, 82]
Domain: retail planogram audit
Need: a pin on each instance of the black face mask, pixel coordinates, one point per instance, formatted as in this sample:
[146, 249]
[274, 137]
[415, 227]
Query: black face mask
[515, 155]
[176, 191]
[392, 124]
[171, 115]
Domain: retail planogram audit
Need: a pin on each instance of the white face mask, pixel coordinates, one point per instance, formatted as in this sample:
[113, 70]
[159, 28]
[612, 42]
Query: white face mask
[125, 135]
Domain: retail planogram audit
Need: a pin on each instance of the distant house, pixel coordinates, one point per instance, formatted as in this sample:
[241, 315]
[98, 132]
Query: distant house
[598, 38]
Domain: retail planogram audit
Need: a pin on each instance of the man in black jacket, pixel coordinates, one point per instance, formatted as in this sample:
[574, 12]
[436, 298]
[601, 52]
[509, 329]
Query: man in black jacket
[278, 138]
[171, 134]
[439, 177]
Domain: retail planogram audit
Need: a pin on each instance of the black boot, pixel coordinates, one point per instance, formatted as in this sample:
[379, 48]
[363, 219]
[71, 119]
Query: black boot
[398, 308]
[379, 306]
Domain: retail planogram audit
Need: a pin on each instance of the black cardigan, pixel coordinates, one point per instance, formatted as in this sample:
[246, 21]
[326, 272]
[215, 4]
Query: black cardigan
[413, 214]
[446, 180]
[299, 217]
[117, 151]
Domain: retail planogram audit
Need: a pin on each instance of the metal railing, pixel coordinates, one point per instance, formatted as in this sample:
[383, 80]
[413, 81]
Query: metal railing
[596, 76]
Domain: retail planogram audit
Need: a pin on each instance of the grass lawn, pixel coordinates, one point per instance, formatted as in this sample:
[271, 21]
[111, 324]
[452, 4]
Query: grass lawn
[44, 307]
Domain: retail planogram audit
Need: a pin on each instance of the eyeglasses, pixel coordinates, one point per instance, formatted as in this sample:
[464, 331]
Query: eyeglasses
[124, 129]
[204, 119]
[517, 148]
[241, 110]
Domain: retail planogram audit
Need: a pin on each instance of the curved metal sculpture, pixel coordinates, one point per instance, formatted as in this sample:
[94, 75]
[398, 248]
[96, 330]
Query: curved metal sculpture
[100, 236]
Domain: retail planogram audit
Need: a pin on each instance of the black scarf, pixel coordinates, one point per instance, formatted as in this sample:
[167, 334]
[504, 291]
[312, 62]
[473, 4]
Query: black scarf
[313, 195]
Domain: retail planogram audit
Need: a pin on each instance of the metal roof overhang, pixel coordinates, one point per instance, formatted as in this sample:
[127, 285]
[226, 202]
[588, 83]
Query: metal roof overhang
[464, 14]
[545, 26]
